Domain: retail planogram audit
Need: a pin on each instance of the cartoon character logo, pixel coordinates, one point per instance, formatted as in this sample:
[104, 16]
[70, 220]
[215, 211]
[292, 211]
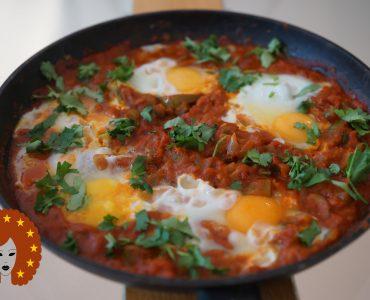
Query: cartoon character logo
[20, 247]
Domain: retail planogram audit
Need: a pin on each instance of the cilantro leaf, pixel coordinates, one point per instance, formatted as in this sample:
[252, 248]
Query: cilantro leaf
[96, 95]
[254, 156]
[312, 133]
[70, 102]
[46, 200]
[305, 106]
[358, 119]
[68, 138]
[111, 244]
[358, 169]
[78, 199]
[189, 136]
[158, 238]
[193, 259]
[142, 220]
[123, 71]
[39, 130]
[138, 166]
[52, 188]
[145, 113]
[108, 223]
[123, 127]
[175, 224]
[236, 185]
[47, 69]
[207, 50]
[334, 168]
[87, 71]
[303, 173]
[138, 174]
[233, 79]
[358, 165]
[267, 56]
[70, 244]
[311, 88]
[308, 235]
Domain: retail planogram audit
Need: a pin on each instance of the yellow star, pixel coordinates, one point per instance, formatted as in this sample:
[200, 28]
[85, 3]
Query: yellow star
[20, 274]
[33, 248]
[20, 222]
[6, 219]
[30, 233]
[29, 263]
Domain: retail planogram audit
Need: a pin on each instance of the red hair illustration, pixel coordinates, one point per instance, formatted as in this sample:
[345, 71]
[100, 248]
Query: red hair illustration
[20, 247]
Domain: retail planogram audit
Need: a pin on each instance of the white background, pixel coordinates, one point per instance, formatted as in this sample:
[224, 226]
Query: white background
[28, 25]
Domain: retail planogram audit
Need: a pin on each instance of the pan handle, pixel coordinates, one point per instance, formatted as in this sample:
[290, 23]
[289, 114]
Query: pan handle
[244, 292]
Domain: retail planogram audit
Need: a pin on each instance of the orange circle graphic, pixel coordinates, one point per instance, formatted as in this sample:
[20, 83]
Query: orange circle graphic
[20, 247]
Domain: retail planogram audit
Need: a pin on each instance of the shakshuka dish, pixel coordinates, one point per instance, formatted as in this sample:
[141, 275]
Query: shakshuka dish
[192, 159]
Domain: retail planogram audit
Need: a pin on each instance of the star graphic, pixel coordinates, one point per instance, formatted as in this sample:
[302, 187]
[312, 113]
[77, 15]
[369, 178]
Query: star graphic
[30, 233]
[20, 274]
[29, 263]
[6, 219]
[33, 248]
[20, 222]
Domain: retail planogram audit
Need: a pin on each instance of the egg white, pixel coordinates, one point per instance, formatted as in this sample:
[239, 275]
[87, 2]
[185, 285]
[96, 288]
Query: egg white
[197, 200]
[267, 98]
[151, 78]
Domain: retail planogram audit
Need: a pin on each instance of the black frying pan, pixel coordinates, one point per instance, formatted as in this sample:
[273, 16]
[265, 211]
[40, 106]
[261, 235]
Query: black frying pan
[321, 55]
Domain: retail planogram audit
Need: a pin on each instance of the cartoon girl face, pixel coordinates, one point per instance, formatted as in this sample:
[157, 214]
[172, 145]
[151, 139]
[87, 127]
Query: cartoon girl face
[8, 255]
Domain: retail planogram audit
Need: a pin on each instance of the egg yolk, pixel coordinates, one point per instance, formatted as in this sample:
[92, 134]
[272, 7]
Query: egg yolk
[251, 209]
[107, 196]
[185, 79]
[284, 127]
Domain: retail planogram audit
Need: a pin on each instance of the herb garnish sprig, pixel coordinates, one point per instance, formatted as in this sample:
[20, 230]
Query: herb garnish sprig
[189, 136]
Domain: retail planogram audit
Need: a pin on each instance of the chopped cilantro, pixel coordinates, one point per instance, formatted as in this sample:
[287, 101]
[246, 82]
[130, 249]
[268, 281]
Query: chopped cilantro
[39, 130]
[189, 136]
[145, 113]
[108, 223]
[142, 220]
[303, 173]
[68, 138]
[305, 106]
[124, 69]
[158, 238]
[79, 198]
[47, 69]
[207, 50]
[233, 79]
[87, 71]
[312, 133]
[254, 156]
[311, 88]
[70, 102]
[334, 169]
[111, 244]
[268, 55]
[53, 189]
[308, 235]
[96, 95]
[271, 94]
[70, 243]
[236, 185]
[357, 118]
[358, 168]
[123, 128]
[138, 174]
